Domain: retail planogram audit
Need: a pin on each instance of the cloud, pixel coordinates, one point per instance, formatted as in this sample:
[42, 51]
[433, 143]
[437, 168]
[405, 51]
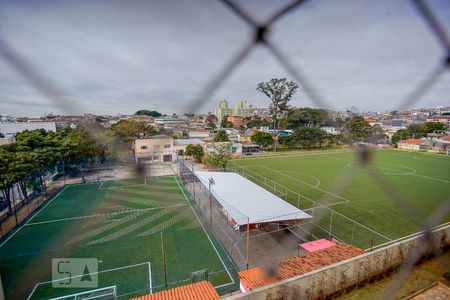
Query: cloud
[120, 56]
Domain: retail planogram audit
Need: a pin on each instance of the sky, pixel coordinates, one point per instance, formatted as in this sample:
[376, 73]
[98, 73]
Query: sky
[110, 57]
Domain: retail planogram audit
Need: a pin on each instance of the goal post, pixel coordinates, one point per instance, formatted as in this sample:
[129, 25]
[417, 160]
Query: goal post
[120, 280]
[109, 292]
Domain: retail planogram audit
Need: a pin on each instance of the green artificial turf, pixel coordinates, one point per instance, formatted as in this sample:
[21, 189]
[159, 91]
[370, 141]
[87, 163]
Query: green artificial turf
[393, 195]
[119, 223]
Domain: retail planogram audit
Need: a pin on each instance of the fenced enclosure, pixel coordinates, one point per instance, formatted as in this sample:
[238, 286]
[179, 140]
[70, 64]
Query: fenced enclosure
[105, 221]
[32, 192]
[326, 222]
[259, 243]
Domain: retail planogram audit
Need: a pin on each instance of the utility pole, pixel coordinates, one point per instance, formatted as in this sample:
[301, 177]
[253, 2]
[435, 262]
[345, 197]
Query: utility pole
[211, 182]
[163, 259]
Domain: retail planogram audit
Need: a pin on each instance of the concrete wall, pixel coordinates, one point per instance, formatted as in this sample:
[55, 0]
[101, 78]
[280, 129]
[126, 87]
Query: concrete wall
[358, 270]
[408, 146]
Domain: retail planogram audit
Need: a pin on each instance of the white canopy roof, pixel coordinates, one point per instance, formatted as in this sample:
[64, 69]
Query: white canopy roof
[244, 199]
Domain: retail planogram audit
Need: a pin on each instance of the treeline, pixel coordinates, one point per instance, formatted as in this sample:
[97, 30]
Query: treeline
[307, 125]
[418, 131]
[35, 154]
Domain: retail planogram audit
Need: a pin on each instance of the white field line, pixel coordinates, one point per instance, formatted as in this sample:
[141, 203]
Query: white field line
[294, 192]
[93, 273]
[201, 224]
[319, 205]
[100, 187]
[301, 173]
[105, 214]
[310, 185]
[18, 229]
[433, 160]
[122, 187]
[432, 178]
[306, 174]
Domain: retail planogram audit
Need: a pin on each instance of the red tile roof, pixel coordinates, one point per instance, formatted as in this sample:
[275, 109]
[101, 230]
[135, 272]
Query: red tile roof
[196, 291]
[412, 141]
[298, 265]
[256, 277]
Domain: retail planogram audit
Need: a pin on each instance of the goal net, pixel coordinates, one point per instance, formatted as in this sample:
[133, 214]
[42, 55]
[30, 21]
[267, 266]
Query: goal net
[109, 292]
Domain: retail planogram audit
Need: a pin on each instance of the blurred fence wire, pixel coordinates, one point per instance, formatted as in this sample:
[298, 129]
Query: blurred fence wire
[262, 37]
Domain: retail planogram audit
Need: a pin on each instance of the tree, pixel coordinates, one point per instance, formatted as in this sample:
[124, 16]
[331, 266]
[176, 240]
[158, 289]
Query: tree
[128, 131]
[7, 176]
[151, 113]
[311, 117]
[211, 125]
[417, 131]
[220, 156]
[430, 127]
[401, 134]
[221, 136]
[225, 123]
[280, 92]
[356, 129]
[196, 151]
[264, 139]
[377, 134]
[309, 137]
[211, 118]
[257, 123]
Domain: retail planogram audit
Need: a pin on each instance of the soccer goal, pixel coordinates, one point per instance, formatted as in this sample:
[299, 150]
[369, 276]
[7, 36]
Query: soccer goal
[109, 292]
[120, 281]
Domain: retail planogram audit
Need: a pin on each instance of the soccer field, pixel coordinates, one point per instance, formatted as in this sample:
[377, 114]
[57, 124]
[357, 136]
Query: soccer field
[421, 180]
[118, 223]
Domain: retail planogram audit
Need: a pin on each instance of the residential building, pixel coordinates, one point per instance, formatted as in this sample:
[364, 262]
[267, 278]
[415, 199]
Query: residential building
[237, 121]
[240, 110]
[235, 148]
[410, 144]
[441, 145]
[161, 148]
[444, 118]
[10, 129]
[7, 140]
[171, 122]
[222, 111]
[202, 134]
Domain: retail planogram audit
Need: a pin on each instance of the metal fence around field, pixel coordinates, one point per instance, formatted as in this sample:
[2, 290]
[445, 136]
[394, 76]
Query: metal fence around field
[44, 184]
[327, 223]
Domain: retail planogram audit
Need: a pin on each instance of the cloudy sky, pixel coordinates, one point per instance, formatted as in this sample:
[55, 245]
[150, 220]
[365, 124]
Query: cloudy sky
[110, 57]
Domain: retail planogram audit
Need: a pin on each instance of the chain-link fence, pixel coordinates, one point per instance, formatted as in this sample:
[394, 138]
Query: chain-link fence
[326, 223]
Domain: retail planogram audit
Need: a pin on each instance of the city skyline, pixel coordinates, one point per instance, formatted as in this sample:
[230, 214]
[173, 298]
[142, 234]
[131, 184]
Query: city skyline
[119, 58]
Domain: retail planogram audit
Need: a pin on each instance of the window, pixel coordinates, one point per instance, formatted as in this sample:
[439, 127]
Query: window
[143, 147]
[167, 146]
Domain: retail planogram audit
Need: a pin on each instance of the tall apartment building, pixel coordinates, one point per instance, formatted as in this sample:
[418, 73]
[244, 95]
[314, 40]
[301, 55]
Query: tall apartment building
[239, 110]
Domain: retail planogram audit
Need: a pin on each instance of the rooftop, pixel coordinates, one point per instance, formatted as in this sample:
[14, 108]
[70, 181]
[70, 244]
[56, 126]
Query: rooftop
[181, 142]
[412, 141]
[297, 265]
[200, 291]
[256, 205]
